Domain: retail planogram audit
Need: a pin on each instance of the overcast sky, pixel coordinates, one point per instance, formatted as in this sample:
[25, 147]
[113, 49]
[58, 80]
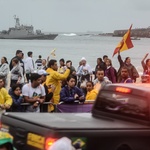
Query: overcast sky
[76, 15]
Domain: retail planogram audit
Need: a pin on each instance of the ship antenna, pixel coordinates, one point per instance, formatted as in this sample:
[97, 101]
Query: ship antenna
[17, 22]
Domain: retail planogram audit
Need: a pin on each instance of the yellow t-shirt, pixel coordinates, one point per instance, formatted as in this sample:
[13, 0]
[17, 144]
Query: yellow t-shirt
[91, 95]
[5, 98]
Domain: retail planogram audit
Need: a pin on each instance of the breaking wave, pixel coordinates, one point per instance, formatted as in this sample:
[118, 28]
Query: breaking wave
[70, 34]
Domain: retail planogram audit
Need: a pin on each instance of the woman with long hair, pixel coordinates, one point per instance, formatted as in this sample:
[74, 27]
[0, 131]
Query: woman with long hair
[133, 73]
[4, 69]
[110, 71]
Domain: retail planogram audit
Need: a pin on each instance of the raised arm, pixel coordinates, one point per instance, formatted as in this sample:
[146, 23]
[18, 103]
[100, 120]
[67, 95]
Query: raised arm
[142, 62]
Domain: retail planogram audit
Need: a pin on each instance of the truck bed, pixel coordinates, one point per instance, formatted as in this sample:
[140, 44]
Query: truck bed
[65, 121]
[32, 130]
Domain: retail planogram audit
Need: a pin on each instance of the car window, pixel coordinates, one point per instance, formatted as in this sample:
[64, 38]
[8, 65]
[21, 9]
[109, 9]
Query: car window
[123, 104]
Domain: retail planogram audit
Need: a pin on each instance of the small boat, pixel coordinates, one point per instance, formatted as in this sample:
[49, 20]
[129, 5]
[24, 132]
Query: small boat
[24, 32]
[135, 38]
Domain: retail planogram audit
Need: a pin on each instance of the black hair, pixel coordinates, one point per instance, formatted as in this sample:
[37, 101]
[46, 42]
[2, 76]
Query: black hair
[90, 82]
[62, 60]
[34, 77]
[100, 59]
[18, 51]
[100, 70]
[69, 61]
[15, 86]
[29, 54]
[40, 56]
[51, 62]
[104, 56]
[147, 60]
[124, 67]
[126, 59]
[2, 78]
[5, 60]
[69, 77]
[15, 60]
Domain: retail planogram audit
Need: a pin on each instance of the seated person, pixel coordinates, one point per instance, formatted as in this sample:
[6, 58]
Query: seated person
[5, 98]
[15, 93]
[100, 80]
[70, 92]
[91, 92]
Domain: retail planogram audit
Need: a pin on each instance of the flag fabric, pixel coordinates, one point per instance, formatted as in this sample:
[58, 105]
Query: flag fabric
[53, 52]
[125, 43]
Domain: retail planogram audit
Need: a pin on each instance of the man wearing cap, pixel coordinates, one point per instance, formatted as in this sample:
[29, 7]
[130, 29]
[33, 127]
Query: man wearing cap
[55, 78]
[48, 89]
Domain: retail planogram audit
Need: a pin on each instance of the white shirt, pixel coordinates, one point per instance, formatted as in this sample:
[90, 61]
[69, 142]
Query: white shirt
[29, 65]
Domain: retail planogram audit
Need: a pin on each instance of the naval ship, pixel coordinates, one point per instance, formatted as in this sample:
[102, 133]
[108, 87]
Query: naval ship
[25, 32]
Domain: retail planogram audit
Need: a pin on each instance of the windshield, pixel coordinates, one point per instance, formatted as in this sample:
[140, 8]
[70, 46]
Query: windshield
[123, 104]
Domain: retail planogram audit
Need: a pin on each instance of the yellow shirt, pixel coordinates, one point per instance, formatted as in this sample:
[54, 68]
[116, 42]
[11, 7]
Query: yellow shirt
[91, 95]
[5, 98]
[55, 79]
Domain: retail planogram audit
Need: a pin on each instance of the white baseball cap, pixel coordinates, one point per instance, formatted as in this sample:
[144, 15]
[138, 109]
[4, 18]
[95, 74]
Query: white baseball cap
[42, 72]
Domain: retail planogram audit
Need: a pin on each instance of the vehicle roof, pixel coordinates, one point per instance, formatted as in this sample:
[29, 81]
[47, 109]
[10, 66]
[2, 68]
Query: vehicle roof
[68, 121]
[140, 89]
[141, 86]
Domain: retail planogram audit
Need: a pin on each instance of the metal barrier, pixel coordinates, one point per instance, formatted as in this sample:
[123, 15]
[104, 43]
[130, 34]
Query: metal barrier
[77, 106]
[41, 105]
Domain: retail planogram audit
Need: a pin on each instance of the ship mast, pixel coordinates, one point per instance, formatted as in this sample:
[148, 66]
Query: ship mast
[17, 25]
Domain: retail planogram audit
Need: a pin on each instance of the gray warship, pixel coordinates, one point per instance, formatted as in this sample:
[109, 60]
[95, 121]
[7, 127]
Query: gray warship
[24, 32]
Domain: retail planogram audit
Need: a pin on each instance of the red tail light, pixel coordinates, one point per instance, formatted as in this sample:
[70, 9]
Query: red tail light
[123, 90]
[49, 142]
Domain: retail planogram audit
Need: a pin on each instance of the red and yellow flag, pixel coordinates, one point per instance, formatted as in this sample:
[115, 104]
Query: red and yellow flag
[125, 43]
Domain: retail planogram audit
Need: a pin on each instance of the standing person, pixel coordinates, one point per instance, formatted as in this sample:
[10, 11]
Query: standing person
[127, 63]
[44, 64]
[34, 93]
[16, 73]
[146, 65]
[55, 78]
[5, 98]
[4, 69]
[49, 90]
[110, 71]
[99, 65]
[15, 93]
[29, 65]
[70, 92]
[62, 68]
[125, 76]
[78, 75]
[91, 92]
[19, 56]
[38, 62]
[103, 64]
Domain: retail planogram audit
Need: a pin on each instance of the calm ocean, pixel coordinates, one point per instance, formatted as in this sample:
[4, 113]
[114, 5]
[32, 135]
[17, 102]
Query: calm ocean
[74, 47]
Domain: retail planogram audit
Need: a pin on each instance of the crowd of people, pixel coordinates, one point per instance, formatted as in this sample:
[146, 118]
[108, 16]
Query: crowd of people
[47, 81]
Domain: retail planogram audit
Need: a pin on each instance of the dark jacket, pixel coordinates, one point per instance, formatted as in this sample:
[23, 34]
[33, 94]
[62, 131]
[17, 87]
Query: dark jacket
[67, 95]
[133, 74]
[17, 100]
[110, 73]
